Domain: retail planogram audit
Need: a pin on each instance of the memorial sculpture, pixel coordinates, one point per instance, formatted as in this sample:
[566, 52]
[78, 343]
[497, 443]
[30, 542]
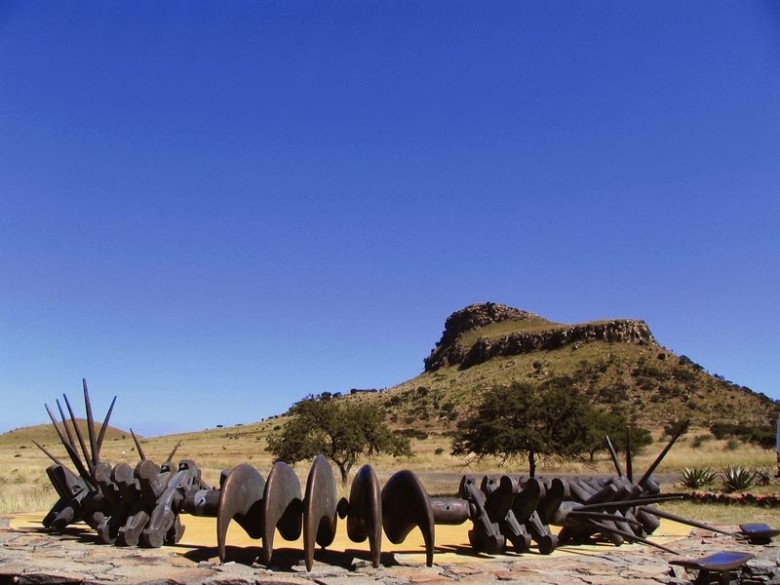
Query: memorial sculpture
[142, 506]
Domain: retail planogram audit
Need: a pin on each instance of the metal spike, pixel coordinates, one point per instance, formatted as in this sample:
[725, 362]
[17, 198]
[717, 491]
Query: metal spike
[173, 452]
[72, 453]
[662, 454]
[52, 457]
[615, 460]
[630, 536]
[79, 436]
[90, 425]
[65, 424]
[104, 426]
[683, 520]
[630, 503]
[604, 516]
[629, 457]
[138, 446]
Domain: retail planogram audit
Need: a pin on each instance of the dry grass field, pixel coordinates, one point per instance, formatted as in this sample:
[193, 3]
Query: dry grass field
[25, 487]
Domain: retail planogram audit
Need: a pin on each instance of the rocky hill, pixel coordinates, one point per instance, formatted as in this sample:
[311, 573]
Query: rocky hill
[479, 332]
[616, 363]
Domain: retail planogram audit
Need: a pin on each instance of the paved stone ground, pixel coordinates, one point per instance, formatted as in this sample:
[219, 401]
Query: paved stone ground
[35, 557]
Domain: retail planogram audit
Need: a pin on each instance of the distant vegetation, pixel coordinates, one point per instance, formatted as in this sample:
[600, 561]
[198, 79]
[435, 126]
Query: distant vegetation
[526, 419]
[540, 420]
[341, 430]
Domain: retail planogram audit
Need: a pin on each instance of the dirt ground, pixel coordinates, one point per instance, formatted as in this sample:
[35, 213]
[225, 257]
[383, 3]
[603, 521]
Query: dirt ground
[30, 555]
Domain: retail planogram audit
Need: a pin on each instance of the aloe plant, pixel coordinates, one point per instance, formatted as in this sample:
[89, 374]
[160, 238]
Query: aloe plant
[764, 475]
[737, 479]
[697, 477]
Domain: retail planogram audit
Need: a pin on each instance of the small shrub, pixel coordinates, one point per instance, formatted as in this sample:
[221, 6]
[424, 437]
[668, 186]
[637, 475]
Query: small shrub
[413, 434]
[732, 445]
[698, 477]
[438, 451]
[699, 440]
[764, 475]
[682, 374]
[737, 479]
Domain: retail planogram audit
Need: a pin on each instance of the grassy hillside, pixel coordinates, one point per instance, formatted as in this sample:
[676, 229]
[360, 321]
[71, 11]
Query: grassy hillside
[650, 383]
[45, 434]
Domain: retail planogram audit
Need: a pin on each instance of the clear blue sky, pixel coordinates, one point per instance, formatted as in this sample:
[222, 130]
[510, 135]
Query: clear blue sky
[212, 209]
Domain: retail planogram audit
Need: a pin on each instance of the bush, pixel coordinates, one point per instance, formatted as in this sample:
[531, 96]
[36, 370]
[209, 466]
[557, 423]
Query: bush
[737, 479]
[682, 374]
[413, 434]
[764, 475]
[763, 435]
[697, 477]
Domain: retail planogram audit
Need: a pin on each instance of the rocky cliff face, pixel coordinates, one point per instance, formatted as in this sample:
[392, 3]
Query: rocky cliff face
[449, 351]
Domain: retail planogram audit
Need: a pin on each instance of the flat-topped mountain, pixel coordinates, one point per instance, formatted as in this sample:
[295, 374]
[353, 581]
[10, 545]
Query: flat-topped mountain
[480, 332]
[616, 363]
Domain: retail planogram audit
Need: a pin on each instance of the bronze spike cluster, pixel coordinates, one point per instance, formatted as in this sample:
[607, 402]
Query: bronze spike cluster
[142, 505]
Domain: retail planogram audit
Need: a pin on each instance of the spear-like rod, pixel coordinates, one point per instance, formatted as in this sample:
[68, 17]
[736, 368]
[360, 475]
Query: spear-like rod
[95, 456]
[104, 426]
[72, 453]
[630, 503]
[78, 434]
[682, 428]
[682, 520]
[138, 446]
[630, 536]
[615, 460]
[175, 448]
[629, 457]
[71, 440]
[52, 457]
[604, 516]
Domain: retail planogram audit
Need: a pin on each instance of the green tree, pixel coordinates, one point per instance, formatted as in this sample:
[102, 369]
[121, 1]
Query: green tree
[340, 429]
[613, 424]
[535, 420]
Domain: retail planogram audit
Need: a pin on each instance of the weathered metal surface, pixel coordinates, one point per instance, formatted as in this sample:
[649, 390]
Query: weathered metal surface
[151, 481]
[164, 525]
[123, 477]
[240, 499]
[364, 512]
[449, 510]
[282, 508]
[405, 505]
[319, 509]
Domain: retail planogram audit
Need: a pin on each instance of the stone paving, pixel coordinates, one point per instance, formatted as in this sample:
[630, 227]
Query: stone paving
[32, 556]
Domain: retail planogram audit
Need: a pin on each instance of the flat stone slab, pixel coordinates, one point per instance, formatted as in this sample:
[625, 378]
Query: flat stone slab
[30, 555]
